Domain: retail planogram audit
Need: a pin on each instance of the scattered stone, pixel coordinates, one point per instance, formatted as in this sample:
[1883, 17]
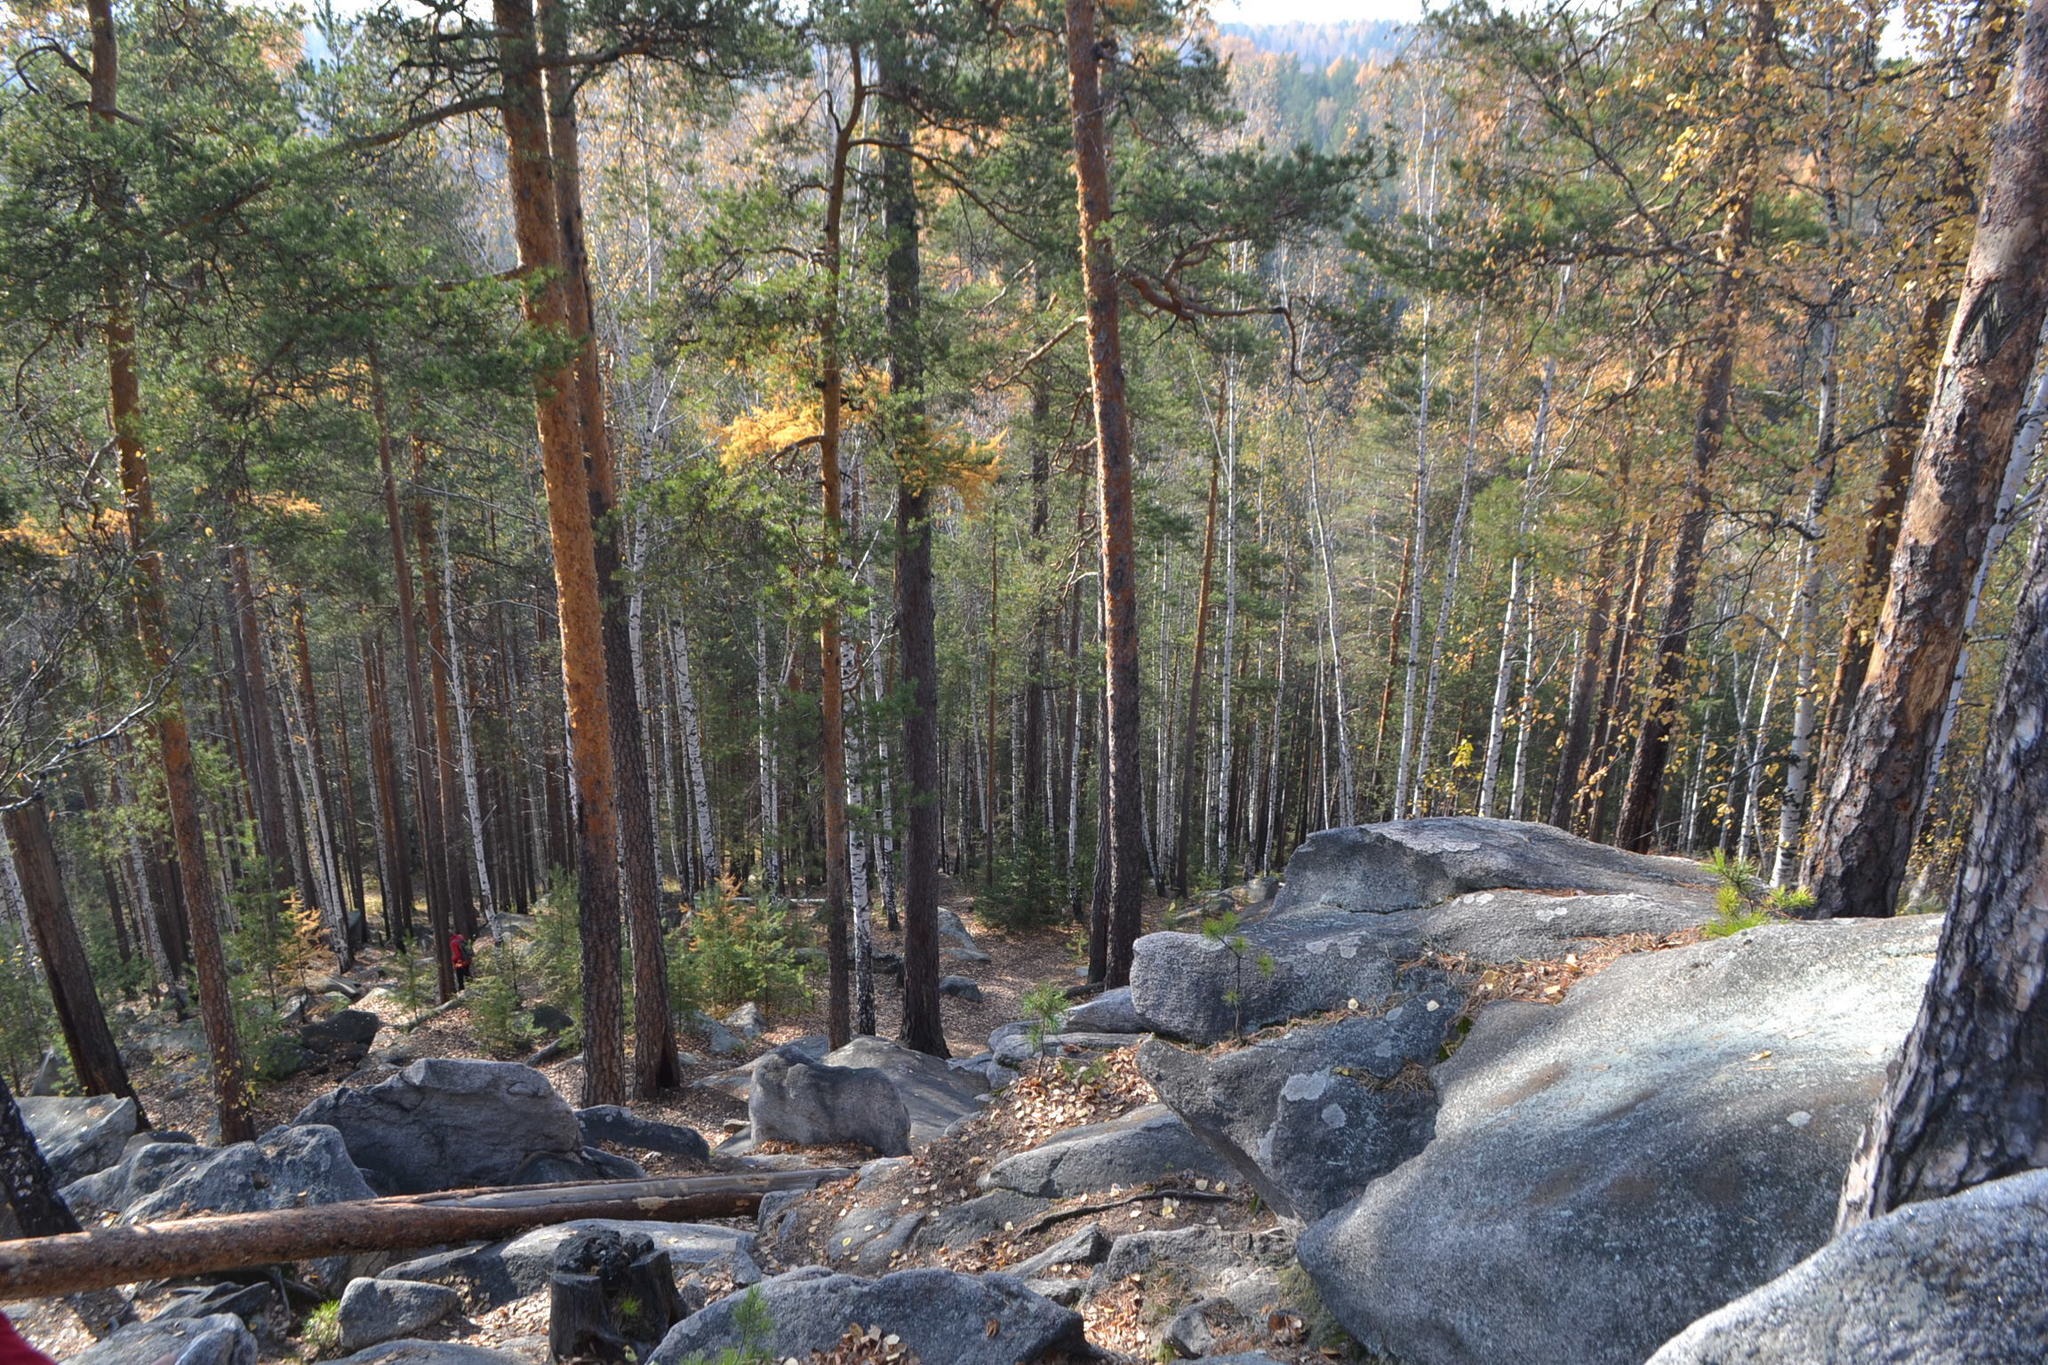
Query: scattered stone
[722, 1041]
[811, 1104]
[49, 1077]
[940, 1315]
[446, 1124]
[376, 1311]
[616, 1123]
[550, 1020]
[342, 1038]
[249, 1302]
[747, 1022]
[1011, 1043]
[1203, 1262]
[1086, 1247]
[1407, 864]
[934, 1095]
[958, 1227]
[1608, 1169]
[1143, 1147]
[1947, 1282]
[500, 1272]
[217, 1340]
[1065, 1293]
[1109, 1012]
[960, 988]
[428, 1353]
[739, 1081]
[1311, 1117]
[1192, 1332]
[79, 1136]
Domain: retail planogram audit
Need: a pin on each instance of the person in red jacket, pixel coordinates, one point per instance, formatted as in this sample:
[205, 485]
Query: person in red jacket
[14, 1347]
[458, 958]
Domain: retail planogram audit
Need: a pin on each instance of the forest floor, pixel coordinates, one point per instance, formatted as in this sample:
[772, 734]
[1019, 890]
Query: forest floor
[173, 1092]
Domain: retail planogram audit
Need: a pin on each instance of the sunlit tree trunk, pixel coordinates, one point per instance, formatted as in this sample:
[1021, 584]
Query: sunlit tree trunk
[1864, 837]
[1503, 676]
[1113, 471]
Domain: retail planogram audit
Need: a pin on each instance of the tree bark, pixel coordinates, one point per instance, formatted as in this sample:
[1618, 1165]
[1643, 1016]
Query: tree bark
[94, 1057]
[181, 783]
[579, 608]
[1184, 832]
[1863, 839]
[31, 1186]
[1113, 471]
[1967, 1101]
[42, 1266]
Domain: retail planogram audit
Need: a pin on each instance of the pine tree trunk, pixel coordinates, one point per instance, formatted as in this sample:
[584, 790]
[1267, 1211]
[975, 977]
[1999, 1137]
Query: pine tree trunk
[174, 744]
[1113, 469]
[433, 844]
[1965, 1102]
[530, 172]
[1637, 827]
[30, 1185]
[1184, 832]
[394, 860]
[1863, 838]
[94, 1057]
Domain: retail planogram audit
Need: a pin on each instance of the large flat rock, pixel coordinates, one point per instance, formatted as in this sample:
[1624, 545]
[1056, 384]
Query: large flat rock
[1608, 1169]
[941, 1315]
[1957, 1281]
[1407, 864]
[79, 1136]
[1205, 988]
[1145, 1146]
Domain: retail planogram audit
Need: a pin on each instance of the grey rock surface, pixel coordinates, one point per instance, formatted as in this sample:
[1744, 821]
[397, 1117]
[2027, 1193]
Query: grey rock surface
[141, 1171]
[736, 1082]
[1010, 1044]
[445, 1124]
[1109, 1012]
[963, 1225]
[811, 1104]
[1407, 864]
[616, 1123]
[1311, 960]
[499, 1272]
[1147, 1145]
[1608, 1169]
[285, 1168]
[960, 988]
[376, 1311]
[1310, 1117]
[1952, 1281]
[79, 1136]
[1189, 1264]
[934, 1095]
[410, 1352]
[217, 1340]
[941, 1316]
[720, 1040]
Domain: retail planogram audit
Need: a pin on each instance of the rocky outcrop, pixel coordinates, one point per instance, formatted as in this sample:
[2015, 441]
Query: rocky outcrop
[1948, 1282]
[446, 1124]
[142, 1171]
[286, 1168]
[411, 1352]
[812, 1104]
[1607, 1169]
[79, 1136]
[1408, 864]
[376, 1311]
[1360, 901]
[940, 1315]
[1312, 1116]
[934, 1095]
[1109, 1012]
[1147, 1145]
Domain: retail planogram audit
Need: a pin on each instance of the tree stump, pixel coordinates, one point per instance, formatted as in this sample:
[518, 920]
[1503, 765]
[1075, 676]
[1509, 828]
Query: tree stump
[611, 1299]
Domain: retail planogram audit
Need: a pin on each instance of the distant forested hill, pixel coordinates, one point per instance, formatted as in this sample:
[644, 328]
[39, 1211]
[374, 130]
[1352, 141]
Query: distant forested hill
[1316, 46]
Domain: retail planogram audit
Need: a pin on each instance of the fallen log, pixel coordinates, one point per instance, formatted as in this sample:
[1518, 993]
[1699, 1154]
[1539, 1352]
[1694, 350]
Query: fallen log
[36, 1267]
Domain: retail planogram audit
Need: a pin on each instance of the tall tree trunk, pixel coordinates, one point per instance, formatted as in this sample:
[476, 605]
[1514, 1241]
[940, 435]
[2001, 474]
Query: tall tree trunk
[152, 616]
[1347, 791]
[1637, 827]
[1496, 729]
[94, 1057]
[654, 1052]
[579, 606]
[1579, 708]
[433, 847]
[1229, 810]
[1864, 837]
[465, 747]
[1184, 832]
[253, 684]
[30, 1185]
[1085, 53]
[394, 859]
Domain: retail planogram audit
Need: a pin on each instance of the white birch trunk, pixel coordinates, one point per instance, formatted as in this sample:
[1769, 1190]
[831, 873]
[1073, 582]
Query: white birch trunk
[1497, 722]
[1347, 785]
[1454, 555]
[693, 752]
[771, 851]
[465, 749]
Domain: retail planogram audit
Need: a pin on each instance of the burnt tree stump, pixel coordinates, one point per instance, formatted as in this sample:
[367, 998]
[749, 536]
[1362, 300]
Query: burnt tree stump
[611, 1298]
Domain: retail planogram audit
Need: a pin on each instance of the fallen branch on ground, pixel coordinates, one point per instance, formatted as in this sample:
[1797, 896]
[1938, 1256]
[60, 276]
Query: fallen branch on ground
[38, 1266]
